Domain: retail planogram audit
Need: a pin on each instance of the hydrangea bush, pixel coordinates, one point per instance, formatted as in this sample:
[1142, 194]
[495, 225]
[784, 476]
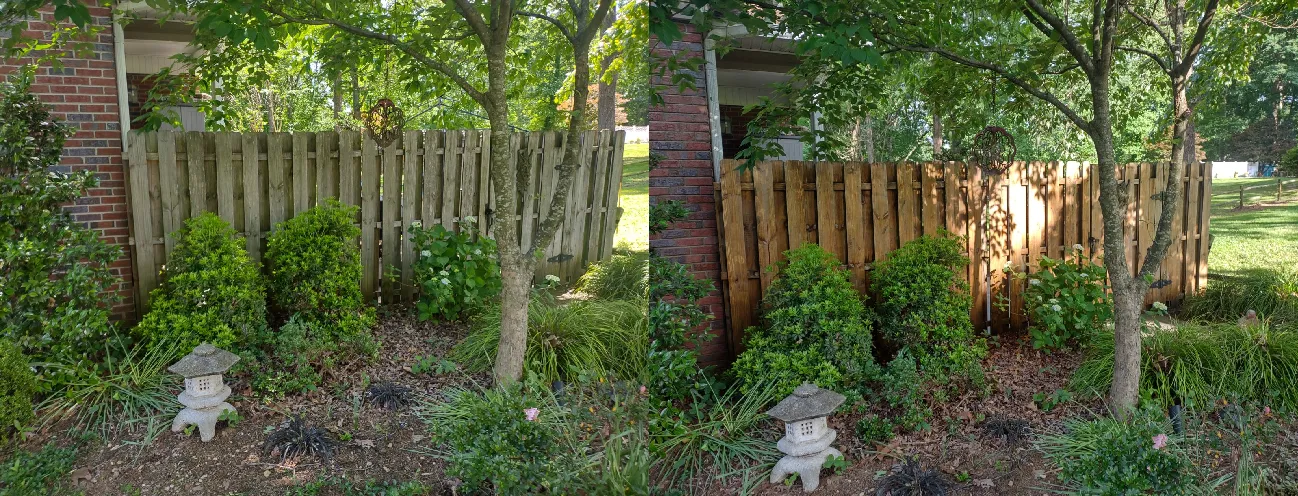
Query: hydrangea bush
[1065, 300]
[457, 272]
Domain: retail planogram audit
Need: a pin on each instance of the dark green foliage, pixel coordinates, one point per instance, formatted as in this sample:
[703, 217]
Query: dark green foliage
[1273, 294]
[924, 306]
[456, 273]
[54, 272]
[388, 395]
[914, 480]
[674, 315]
[606, 338]
[816, 328]
[17, 389]
[873, 429]
[132, 391]
[903, 393]
[623, 277]
[315, 268]
[297, 438]
[38, 473]
[341, 486]
[211, 291]
[297, 356]
[493, 447]
[1110, 456]
[663, 213]
[1289, 163]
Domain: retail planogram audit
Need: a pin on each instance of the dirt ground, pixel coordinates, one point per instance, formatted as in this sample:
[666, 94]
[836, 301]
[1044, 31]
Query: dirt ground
[974, 461]
[382, 446]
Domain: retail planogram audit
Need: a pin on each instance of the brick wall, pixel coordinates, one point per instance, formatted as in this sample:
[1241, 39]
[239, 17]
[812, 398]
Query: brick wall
[83, 93]
[679, 134]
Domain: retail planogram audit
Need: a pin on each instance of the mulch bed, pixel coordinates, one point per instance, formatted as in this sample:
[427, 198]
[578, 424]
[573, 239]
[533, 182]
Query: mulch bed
[383, 445]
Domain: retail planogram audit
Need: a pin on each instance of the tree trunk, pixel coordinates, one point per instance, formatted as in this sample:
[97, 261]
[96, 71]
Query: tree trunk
[338, 102]
[516, 286]
[869, 138]
[606, 104]
[937, 135]
[1127, 304]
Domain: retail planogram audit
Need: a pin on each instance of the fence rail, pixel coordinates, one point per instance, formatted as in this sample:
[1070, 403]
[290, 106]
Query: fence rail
[257, 180]
[862, 211]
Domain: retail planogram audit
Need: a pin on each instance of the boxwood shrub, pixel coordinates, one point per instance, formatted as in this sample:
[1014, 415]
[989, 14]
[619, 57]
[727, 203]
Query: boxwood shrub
[17, 389]
[211, 291]
[816, 328]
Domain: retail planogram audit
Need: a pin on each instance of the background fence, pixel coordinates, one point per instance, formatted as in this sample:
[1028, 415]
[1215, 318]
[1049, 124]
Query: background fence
[860, 212]
[257, 180]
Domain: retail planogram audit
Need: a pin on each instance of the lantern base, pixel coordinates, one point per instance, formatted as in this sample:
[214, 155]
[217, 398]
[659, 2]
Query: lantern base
[204, 418]
[807, 467]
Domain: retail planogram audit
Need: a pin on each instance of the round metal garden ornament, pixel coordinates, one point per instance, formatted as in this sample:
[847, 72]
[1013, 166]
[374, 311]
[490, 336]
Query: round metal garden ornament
[384, 122]
[994, 149]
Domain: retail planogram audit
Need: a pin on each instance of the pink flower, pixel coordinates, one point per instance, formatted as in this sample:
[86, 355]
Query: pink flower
[642, 389]
[1160, 441]
[531, 414]
[1266, 411]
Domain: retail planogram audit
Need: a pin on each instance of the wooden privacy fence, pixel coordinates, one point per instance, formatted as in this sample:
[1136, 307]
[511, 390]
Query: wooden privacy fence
[257, 180]
[860, 212]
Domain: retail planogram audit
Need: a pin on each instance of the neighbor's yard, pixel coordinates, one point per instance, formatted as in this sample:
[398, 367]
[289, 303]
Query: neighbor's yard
[1262, 235]
[633, 230]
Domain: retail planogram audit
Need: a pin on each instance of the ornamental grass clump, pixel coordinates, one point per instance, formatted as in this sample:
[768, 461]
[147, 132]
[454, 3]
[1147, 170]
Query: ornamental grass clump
[1272, 294]
[565, 340]
[625, 276]
[1139, 455]
[1198, 364]
[211, 291]
[816, 328]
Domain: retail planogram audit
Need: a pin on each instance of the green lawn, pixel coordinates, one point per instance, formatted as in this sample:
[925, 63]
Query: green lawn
[1262, 235]
[633, 230]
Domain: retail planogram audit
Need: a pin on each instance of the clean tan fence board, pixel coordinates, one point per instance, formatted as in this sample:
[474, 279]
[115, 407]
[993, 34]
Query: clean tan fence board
[862, 211]
[256, 180]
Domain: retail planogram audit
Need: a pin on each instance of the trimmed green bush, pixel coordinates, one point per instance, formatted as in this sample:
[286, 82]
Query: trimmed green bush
[456, 273]
[315, 267]
[924, 306]
[1108, 456]
[816, 328]
[211, 291]
[674, 318]
[17, 389]
[622, 277]
[54, 271]
[567, 340]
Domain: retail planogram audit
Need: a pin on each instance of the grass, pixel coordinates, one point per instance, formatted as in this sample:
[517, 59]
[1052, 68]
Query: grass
[1258, 237]
[633, 230]
[718, 446]
[623, 277]
[132, 392]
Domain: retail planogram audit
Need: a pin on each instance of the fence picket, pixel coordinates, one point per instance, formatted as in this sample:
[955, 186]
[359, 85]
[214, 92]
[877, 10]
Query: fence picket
[252, 197]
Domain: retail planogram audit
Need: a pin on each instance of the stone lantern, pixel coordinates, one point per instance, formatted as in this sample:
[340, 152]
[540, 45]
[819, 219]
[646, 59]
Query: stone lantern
[807, 438]
[205, 389]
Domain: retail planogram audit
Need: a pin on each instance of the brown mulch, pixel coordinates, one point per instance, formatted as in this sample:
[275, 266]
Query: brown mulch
[383, 445]
[972, 460]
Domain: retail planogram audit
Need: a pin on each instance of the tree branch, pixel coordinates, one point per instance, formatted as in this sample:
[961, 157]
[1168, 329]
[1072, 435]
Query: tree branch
[1151, 55]
[1048, 97]
[437, 65]
[1069, 41]
[1209, 11]
[562, 29]
[1150, 22]
[474, 18]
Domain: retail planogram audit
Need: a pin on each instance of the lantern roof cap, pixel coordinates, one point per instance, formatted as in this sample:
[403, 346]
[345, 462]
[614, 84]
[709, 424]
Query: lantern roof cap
[807, 401]
[205, 360]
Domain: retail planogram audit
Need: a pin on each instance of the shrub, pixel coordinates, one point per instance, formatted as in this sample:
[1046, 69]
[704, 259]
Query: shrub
[211, 292]
[1108, 456]
[315, 265]
[924, 306]
[17, 388]
[304, 348]
[566, 340]
[1273, 294]
[816, 320]
[315, 273]
[1289, 163]
[495, 448]
[1066, 300]
[674, 314]
[38, 473]
[54, 271]
[903, 392]
[623, 277]
[456, 273]
[1201, 363]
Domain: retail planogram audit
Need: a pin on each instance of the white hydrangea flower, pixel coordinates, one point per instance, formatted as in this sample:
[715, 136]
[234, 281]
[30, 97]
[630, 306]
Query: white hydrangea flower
[477, 251]
[425, 253]
[552, 278]
[1158, 305]
[446, 282]
[470, 218]
[1055, 307]
[416, 224]
[1084, 275]
[1077, 247]
[444, 272]
[1034, 282]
